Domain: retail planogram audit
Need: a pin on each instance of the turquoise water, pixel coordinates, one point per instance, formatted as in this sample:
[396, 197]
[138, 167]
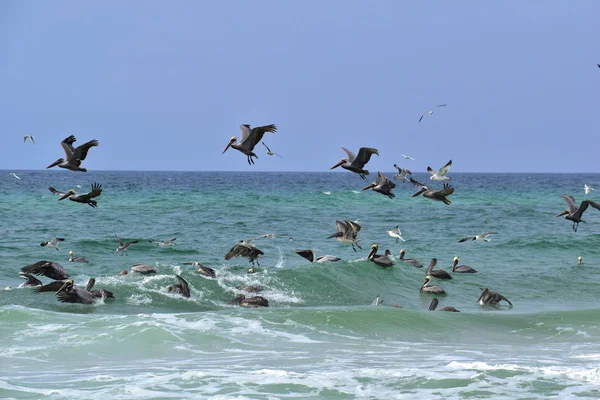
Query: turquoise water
[320, 338]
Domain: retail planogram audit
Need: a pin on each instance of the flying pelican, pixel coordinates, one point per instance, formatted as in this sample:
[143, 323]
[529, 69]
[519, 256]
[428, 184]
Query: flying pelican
[395, 233]
[406, 157]
[483, 236]
[438, 273]
[87, 198]
[124, 246]
[181, 287]
[50, 269]
[15, 175]
[439, 195]
[376, 302]
[253, 302]
[245, 249]
[464, 269]
[410, 261]
[52, 243]
[143, 269]
[441, 174]
[30, 137]
[587, 188]
[488, 298]
[74, 156]
[402, 173]
[310, 256]
[202, 269]
[269, 152]
[346, 232]
[431, 111]
[30, 280]
[431, 289]
[250, 137]
[381, 260]
[356, 164]
[76, 259]
[164, 243]
[382, 185]
[434, 304]
[574, 213]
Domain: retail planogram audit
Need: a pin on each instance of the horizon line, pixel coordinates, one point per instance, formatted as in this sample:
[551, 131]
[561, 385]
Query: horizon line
[294, 172]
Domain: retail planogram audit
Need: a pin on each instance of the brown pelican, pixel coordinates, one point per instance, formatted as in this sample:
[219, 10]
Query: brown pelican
[202, 269]
[143, 269]
[356, 164]
[465, 269]
[381, 260]
[50, 269]
[87, 198]
[402, 173]
[70, 293]
[346, 233]
[253, 302]
[30, 137]
[382, 185]
[181, 288]
[410, 261]
[164, 243]
[269, 152]
[124, 246]
[30, 280]
[98, 293]
[250, 137]
[52, 243]
[574, 213]
[438, 273]
[376, 302]
[441, 174]
[483, 236]
[434, 304]
[245, 249]
[49, 287]
[431, 289]
[76, 259]
[74, 156]
[488, 298]
[431, 111]
[439, 195]
[310, 256]
[395, 233]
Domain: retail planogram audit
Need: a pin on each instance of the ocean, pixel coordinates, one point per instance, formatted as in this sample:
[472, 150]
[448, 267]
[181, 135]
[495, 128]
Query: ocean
[320, 338]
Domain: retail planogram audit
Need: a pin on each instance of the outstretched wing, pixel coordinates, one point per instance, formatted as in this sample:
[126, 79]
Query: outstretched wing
[185, 289]
[81, 151]
[255, 135]
[351, 155]
[308, 254]
[431, 170]
[445, 168]
[56, 192]
[417, 183]
[96, 190]
[268, 149]
[364, 155]
[120, 241]
[571, 202]
[447, 190]
[67, 145]
[466, 238]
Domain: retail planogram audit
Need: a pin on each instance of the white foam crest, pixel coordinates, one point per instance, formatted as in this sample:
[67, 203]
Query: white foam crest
[281, 260]
[139, 299]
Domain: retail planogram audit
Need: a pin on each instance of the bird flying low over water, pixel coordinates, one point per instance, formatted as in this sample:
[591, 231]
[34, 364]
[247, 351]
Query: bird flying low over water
[489, 298]
[74, 156]
[402, 173]
[164, 243]
[395, 233]
[587, 188]
[70, 293]
[269, 152]
[202, 269]
[14, 175]
[431, 111]
[244, 248]
[181, 287]
[574, 213]
[87, 198]
[441, 174]
[434, 304]
[346, 232]
[382, 185]
[310, 256]
[439, 195]
[356, 163]
[378, 259]
[30, 280]
[30, 137]
[52, 243]
[52, 270]
[483, 236]
[250, 137]
[124, 246]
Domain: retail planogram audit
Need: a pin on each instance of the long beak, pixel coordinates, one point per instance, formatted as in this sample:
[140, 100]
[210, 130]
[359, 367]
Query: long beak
[372, 252]
[64, 196]
[62, 288]
[562, 213]
[343, 160]
[372, 185]
[226, 147]
[55, 163]
[418, 192]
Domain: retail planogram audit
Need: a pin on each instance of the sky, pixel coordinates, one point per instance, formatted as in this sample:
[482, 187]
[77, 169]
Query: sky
[164, 85]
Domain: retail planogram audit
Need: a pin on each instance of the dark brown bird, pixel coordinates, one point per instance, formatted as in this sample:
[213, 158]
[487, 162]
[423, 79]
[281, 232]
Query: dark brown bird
[438, 273]
[489, 298]
[434, 304]
[50, 269]
[356, 164]
[382, 185]
[574, 213]
[87, 198]
[438, 195]
[244, 249]
[181, 287]
[250, 138]
[253, 302]
[74, 156]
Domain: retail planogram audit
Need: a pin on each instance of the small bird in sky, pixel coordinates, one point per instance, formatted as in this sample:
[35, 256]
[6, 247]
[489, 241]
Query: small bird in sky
[15, 175]
[431, 111]
[30, 137]
[407, 157]
[587, 188]
[441, 174]
[269, 152]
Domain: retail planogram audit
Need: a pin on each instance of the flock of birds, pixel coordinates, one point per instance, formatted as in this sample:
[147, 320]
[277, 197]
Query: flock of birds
[346, 231]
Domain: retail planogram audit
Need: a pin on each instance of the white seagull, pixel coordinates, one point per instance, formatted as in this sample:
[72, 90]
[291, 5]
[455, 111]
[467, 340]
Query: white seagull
[269, 152]
[431, 111]
[30, 137]
[407, 157]
[587, 188]
[483, 236]
[395, 233]
[15, 175]
[402, 173]
[441, 174]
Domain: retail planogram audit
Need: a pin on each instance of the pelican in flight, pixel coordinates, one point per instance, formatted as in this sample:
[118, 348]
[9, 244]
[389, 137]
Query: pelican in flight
[441, 174]
[76, 259]
[87, 198]
[587, 188]
[489, 298]
[250, 137]
[356, 163]
[431, 111]
[164, 243]
[483, 236]
[395, 233]
[245, 248]
[382, 185]
[50, 269]
[181, 287]
[269, 152]
[410, 261]
[464, 269]
[124, 246]
[406, 157]
[202, 269]
[402, 173]
[252, 302]
[52, 243]
[30, 137]
[425, 287]
[378, 259]
[574, 213]
[15, 175]
[311, 256]
[346, 232]
[439, 195]
[438, 273]
[434, 304]
[74, 155]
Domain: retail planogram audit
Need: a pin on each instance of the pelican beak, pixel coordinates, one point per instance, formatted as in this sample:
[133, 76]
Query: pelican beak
[64, 196]
[63, 287]
[562, 213]
[55, 163]
[372, 185]
[372, 251]
[343, 160]
[232, 141]
[418, 192]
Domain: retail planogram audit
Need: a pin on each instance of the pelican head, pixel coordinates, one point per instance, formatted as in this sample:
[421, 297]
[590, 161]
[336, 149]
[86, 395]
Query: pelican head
[44, 243]
[373, 250]
[70, 252]
[251, 271]
[60, 160]
[342, 161]
[579, 260]
[69, 193]
[231, 141]
[426, 281]
[68, 284]
[402, 252]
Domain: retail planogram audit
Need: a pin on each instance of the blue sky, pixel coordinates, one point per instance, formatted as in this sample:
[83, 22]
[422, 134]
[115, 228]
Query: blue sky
[163, 85]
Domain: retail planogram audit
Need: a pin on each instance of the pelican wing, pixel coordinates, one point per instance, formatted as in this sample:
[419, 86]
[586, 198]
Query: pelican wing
[584, 205]
[354, 226]
[96, 190]
[250, 138]
[67, 145]
[49, 287]
[417, 183]
[120, 241]
[433, 305]
[82, 151]
[444, 170]
[351, 155]
[447, 190]
[185, 288]
[308, 254]
[364, 155]
[571, 202]
[56, 192]
[50, 269]
[76, 295]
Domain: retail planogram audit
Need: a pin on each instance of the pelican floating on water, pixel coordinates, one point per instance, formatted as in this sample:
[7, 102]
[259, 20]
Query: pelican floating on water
[441, 174]
[202, 269]
[124, 246]
[181, 287]
[52, 243]
[411, 261]
[76, 259]
[74, 156]
[250, 137]
[252, 302]
[30, 137]
[483, 236]
[52, 270]
[269, 152]
[431, 289]
[575, 213]
[143, 269]
[434, 304]
[438, 195]
[431, 111]
[244, 249]
[402, 173]
[87, 198]
[489, 298]
[395, 233]
[378, 259]
[464, 269]
[346, 232]
[438, 273]
[310, 256]
[382, 185]
[356, 163]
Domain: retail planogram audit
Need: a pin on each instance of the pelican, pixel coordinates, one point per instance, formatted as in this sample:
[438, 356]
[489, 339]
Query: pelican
[202, 269]
[431, 111]
[356, 164]
[382, 185]
[70, 293]
[181, 287]
[250, 137]
[410, 261]
[124, 246]
[30, 280]
[49, 287]
[346, 233]
[310, 256]
[587, 188]
[253, 302]
[74, 156]
[438, 273]
[406, 157]
[98, 293]
[395, 233]
[87, 198]
[483, 236]
[376, 302]
[439, 195]
[431, 289]
[244, 249]
[50, 269]
[434, 304]
[488, 298]
[402, 173]
[76, 259]
[52, 243]
[30, 137]
[441, 174]
[14, 175]
[381, 260]
[574, 213]
[464, 269]
[143, 269]
[269, 152]
[164, 243]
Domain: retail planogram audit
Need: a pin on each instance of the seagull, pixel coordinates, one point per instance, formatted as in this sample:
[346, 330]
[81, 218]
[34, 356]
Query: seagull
[123, 246]
[250, 137]
[395, 233]
[376, 302]
[482, 236]
[356, 163]
[269, 152]
[87, 198]
[52, 243]
[407, 157]
[439, 195]
[441, 174]
[165, 243]
[587, 188]
[575, 213]
[402, 173]
[30, 137]
[74, 156]
[431, 111]
[15, 175]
